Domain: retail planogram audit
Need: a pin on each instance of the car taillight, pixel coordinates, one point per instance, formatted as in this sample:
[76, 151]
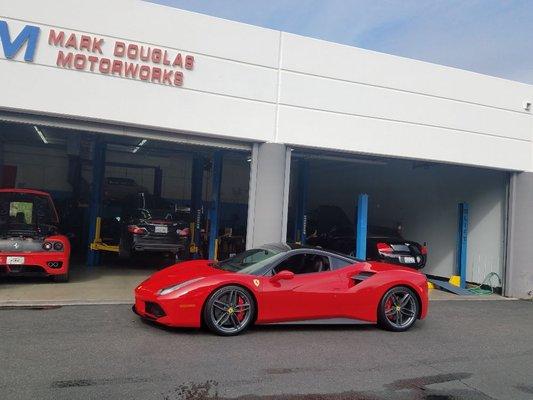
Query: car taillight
[136, 230]
[57, 246]
[423, 250]
[384, 248]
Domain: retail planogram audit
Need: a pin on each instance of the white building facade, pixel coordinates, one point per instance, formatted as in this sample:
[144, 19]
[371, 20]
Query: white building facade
[134, 68]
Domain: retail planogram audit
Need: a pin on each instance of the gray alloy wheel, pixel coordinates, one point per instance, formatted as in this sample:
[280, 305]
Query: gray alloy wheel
[229, 310]
[398, 309]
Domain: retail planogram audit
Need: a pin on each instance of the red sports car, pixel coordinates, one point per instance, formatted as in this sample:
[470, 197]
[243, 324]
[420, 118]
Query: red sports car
[29, 241]
[282, 283]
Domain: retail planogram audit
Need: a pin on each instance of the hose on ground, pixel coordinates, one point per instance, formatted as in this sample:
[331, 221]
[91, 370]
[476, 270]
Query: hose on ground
[478, 290]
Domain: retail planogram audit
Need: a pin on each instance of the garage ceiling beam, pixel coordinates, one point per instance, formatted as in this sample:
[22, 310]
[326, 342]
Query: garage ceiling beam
[346, 159]
[106, 128]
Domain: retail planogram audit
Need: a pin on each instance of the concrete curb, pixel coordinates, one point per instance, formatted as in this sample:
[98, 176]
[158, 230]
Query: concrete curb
[476, 298]
[61, 303]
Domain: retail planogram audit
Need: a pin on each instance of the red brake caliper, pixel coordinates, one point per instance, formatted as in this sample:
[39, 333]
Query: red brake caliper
[388, 306]
[240, 314]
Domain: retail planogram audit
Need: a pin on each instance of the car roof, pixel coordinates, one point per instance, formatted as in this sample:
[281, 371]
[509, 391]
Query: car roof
[283, 247]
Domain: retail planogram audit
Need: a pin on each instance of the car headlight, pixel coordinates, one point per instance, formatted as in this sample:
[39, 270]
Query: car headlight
[173, 288]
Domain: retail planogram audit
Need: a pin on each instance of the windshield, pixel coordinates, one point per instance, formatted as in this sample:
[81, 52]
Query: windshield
[249, 261]
[165, 215]
[149, 207]
[25, 211]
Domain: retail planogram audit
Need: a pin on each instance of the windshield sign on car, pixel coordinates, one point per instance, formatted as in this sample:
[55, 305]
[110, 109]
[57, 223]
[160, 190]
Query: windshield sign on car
[21, 211]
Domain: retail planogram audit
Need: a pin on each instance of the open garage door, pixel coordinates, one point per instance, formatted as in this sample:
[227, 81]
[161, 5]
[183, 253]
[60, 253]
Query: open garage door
[127, 131]
[416, 201]
[129, 203]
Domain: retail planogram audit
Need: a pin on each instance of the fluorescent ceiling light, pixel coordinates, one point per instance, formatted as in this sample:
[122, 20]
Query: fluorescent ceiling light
[41, 135]
[141, 143]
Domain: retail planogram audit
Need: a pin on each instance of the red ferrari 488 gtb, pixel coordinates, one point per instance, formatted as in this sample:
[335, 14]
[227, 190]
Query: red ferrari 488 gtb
[281, 283]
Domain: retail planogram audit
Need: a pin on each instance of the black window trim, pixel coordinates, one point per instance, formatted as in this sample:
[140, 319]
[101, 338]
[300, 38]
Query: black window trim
[290, 253]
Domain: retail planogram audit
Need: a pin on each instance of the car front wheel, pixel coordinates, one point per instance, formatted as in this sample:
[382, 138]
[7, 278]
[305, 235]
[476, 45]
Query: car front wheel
[398, 309]
[229, 311]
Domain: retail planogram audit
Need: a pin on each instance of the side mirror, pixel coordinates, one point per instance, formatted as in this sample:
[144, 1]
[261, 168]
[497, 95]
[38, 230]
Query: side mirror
[281, 275]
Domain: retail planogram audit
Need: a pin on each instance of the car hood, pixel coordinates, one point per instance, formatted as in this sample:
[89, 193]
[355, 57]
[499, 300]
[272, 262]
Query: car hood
[180, 273]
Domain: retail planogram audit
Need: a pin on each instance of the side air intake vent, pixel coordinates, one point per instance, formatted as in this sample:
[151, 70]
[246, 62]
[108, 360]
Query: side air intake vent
[361, 276]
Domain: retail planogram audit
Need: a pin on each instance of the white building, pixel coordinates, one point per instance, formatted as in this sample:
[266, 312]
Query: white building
[418, 138]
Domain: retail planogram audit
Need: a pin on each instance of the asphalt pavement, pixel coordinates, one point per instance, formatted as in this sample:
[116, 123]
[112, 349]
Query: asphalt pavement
[464, 350]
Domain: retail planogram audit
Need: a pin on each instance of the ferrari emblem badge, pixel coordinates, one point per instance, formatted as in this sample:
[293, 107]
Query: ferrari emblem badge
[256, 282]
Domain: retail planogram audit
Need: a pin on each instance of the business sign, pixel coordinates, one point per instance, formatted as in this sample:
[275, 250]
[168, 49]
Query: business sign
[97, 54]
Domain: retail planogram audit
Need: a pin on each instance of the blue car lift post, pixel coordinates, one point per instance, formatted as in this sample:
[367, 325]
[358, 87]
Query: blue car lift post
[214, 212]
[300, 229]
[361, 227]
[462, 242]
[197, 177]
[95, 202]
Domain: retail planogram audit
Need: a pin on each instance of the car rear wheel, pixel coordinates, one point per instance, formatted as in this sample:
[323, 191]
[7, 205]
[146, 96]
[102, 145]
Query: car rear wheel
[398, 309]
[229, 311]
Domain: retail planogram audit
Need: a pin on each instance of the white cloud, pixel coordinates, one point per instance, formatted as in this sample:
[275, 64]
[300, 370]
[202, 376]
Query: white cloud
[487, 36]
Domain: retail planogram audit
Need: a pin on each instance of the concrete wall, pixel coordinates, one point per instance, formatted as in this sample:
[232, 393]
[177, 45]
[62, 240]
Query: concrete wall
[176, 172]
[40, 167]
[46, 168]
[424, 201]
[519, 278]
[269, 186]
[261, 85]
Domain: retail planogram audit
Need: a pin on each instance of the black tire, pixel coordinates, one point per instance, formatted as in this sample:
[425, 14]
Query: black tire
[398, 309]
[221, 313]
[60, 278]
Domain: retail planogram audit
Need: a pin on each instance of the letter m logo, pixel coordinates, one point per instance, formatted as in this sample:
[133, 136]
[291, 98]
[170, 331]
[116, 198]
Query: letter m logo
[28, 35]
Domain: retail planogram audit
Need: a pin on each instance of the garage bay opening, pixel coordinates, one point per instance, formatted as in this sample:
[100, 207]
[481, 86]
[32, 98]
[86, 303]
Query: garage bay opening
[413, 211]
[129, 205]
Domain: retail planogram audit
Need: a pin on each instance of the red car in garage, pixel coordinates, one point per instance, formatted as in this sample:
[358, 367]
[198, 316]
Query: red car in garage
[281, 283]
[30, 244]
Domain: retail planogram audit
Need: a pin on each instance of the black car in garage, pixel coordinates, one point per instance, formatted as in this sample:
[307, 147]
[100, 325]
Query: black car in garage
[152, 224]
[329, 227]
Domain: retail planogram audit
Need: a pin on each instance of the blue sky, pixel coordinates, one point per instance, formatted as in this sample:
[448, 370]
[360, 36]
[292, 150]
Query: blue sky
[487, 36]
